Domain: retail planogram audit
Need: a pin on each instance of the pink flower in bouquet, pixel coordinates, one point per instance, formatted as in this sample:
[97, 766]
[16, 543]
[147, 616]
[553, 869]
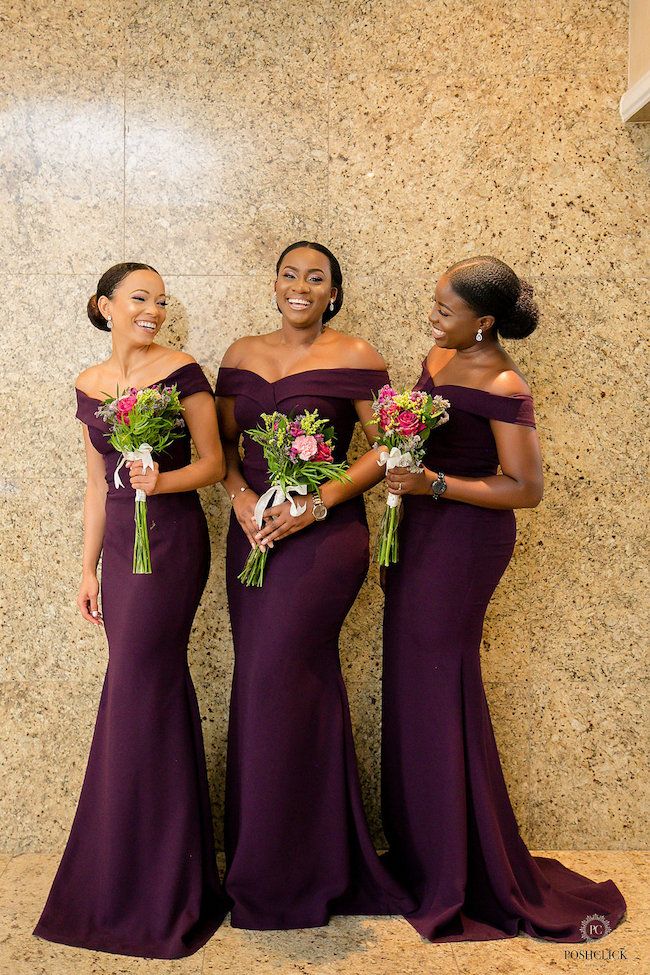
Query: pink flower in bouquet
[306, 447]
[388, 413]
[409, 424]
[124, 407]
[386, 393]
[295, 429]
[323, 452]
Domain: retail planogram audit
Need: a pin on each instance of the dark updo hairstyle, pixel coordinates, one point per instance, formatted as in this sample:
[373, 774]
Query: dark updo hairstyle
[335, 270]
[490, 287]
[106, 289]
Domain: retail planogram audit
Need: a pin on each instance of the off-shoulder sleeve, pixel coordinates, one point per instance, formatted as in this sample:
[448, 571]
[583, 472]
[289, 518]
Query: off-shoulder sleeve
[515, 409]
[86, 407]
[229, 381]
[190, 379]
[360, 383]
[509, 409]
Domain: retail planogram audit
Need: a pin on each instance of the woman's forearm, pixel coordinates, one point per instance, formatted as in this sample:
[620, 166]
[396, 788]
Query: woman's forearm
[494, 491]
[363, 474]
[201, 473]
[234, 480]
[94, 526]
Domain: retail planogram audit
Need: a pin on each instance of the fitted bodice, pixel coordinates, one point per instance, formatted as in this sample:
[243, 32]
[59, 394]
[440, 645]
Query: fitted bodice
[465, 445]
[331, 391]
[189, 379]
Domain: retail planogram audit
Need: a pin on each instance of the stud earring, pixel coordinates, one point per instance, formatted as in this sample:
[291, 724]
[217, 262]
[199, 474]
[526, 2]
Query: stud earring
[109, 323]
[332, 305]
[479, 335]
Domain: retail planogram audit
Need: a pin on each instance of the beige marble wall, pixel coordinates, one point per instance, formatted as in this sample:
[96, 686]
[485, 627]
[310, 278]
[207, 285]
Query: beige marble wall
[202, 137]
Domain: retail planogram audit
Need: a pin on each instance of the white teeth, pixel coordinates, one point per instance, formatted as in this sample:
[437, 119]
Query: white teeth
[150, 326]
[438, 333]
[298, 303]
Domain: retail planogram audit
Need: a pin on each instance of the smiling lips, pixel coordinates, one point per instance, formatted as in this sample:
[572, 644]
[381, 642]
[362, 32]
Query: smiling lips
[146, 325]
[437, 332]
[298, 303]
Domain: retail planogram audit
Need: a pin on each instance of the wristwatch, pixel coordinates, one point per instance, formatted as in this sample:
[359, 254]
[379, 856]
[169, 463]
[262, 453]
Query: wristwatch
[439, 486]
[318, 510]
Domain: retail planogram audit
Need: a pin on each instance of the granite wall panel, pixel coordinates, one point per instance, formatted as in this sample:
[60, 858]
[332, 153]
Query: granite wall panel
[203, 136]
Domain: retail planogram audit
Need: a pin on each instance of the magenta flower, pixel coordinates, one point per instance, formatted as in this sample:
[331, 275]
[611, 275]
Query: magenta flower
[324, 452]
[408, 424]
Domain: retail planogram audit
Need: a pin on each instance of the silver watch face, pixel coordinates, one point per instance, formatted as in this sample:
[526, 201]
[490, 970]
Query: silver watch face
[320, 511]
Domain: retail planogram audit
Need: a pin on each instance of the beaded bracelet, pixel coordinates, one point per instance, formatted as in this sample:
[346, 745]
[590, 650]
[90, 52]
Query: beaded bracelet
[243, 488]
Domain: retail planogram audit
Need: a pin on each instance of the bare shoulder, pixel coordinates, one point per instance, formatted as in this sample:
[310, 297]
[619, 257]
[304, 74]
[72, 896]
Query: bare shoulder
[509, 382]
[236, 353]
[359, 354]
[175, 358]
[87, 380]
[437, 359]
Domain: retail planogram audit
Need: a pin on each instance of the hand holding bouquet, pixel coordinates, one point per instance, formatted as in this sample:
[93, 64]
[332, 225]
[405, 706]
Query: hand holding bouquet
[142, 422]
[298, 452]
[405, 421]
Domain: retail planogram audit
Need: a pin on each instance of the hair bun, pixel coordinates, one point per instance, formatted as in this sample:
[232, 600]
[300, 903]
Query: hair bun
[95, 315]
[524, 319]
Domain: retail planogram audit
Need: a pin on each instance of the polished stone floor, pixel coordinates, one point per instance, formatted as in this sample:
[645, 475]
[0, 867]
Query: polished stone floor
[348, 946]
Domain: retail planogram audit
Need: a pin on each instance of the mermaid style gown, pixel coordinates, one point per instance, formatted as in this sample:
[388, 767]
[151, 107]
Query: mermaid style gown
[453, 837]
[297, 843]
[138, 875]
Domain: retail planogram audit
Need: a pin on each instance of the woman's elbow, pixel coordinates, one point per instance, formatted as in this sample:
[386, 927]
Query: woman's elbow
[218, 467]
[533, 493]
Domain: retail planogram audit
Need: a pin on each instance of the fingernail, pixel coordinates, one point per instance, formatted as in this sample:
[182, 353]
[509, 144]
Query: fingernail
[94, 613]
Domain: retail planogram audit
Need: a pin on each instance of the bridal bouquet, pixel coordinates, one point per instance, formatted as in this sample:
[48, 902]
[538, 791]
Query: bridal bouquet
[142, 422]
[298, 452]
[405, 421]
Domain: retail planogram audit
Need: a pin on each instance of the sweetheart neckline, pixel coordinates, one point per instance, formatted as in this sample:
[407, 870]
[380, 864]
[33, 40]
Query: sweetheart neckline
[185, 365]
[292, 375]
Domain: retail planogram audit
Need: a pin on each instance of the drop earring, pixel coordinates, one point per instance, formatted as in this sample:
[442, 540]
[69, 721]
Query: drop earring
[331, 304]
[109, 323]
[479, 335]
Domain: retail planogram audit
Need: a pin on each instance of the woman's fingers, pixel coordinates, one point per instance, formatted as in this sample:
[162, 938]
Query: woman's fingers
[248, 526]
[275, 511]
[89, 609]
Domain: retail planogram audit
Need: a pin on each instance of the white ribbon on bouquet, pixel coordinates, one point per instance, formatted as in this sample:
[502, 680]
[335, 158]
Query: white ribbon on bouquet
[395, 458]
[143, 453]
[275, 495]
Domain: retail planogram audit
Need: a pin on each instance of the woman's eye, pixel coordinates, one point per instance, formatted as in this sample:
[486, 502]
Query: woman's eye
[288, 274]
[444, 314]
[137, 298]
[163, 304]
[316, 280]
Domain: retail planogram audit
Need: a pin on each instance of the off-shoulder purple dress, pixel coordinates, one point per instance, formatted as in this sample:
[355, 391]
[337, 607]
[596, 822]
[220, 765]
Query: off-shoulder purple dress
[453, 837]
[298, 848]
[138, 875]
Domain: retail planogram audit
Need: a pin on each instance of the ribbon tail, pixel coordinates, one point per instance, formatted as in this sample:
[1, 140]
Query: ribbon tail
[296, 509]
[117, 480]
[144, 454]
[275, 495]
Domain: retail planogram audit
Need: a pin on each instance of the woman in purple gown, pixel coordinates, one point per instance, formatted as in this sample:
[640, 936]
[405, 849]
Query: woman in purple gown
[297, 844]
[453, 838]
[138, 875]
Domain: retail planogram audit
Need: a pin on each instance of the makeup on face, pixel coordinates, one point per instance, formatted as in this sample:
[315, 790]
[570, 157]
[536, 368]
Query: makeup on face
[141, 304]
[453, 322]
[303, 287]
